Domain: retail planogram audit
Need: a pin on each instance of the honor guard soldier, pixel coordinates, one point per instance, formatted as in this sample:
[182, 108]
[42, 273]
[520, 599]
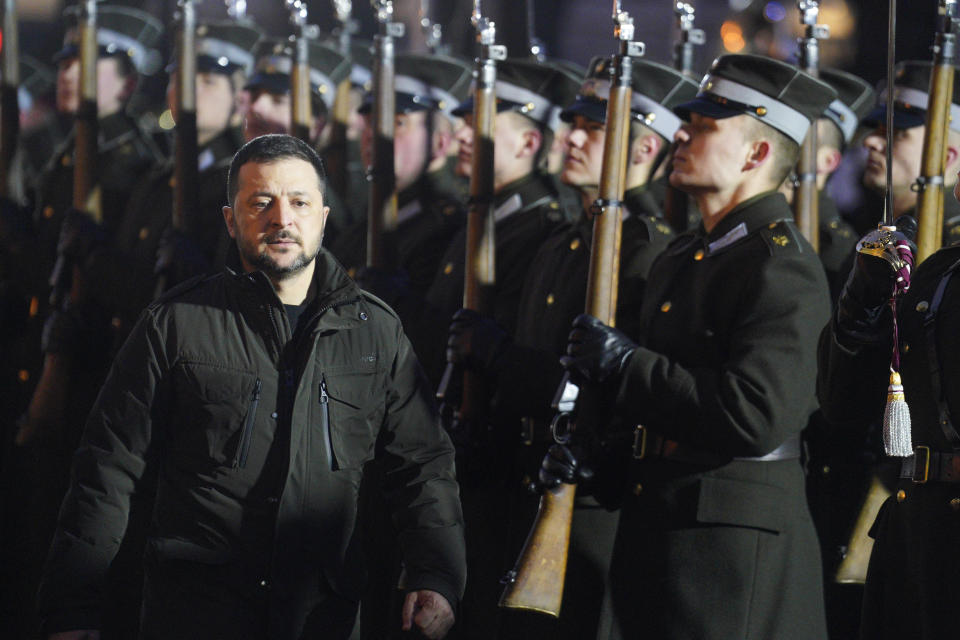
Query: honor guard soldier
[270, 109]
[426, 220]
[445, 175]
[524, 370]
[911, 96]
[715, 539]
[525, 206]
[836, 129]
[128, 271]
[127, 39]
[357, 190]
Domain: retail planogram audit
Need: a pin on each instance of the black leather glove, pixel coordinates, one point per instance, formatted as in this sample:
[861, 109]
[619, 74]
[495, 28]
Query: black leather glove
[595, 352]
[390, 285]
[79, 235]
[14, 221]
[564, 464]
[861, 308]
[179, 258]
[475, 340]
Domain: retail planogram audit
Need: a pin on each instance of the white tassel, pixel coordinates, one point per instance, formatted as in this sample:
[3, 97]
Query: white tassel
[896, 421]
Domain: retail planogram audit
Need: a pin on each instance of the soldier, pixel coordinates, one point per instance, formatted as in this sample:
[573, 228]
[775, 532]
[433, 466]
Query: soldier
[525, 205]
[524, 371]
[911, 585]
[911, 87]
[426, 220]
[836, 129]
[126, 270]
[270, 110]
[715, 539]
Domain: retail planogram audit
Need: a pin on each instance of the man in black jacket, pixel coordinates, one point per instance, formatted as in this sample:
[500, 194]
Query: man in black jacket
[259, 396]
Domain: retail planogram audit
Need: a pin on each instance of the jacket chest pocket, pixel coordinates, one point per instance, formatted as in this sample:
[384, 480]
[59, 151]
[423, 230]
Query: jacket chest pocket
[214, 415]
[350, 410]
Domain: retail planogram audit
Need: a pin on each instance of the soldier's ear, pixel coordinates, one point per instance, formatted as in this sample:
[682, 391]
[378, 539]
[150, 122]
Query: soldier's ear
[228, 219]
[760, 151]
[532, 141]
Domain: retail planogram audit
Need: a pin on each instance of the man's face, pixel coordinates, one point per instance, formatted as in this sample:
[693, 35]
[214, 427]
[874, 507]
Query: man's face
[584, 152]
[710, 154]
[215, 101]
[906, 156]
[277, 217]
[267, 113]
[558, 149]
[113, 89]
[411, 153]
[509, 139]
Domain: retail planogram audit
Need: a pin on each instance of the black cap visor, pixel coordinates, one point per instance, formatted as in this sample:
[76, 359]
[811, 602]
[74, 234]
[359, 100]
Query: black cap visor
[590, 108]
[404, 103]
[903, 118]
[710, 107]
[272, 82]
[466, 106]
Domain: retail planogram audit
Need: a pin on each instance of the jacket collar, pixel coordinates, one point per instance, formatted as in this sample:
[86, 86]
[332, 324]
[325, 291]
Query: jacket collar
[750, 215]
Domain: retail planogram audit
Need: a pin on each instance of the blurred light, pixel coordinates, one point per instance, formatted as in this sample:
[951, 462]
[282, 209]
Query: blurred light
[740, 5]
[774, 12]
[165, 121]
[839, 17]
[732, 35]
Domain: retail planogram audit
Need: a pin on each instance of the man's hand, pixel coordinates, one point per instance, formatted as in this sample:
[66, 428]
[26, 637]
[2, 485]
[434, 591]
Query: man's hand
[595, 351]
[474, 340]
[87, 634]
[429, 612]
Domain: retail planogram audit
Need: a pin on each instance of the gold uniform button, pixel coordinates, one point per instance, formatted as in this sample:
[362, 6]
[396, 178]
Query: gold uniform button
[550, 298]
[352, 272]
[922, 306]
[48, 212]
[574, 244]
[34, 306]
[172, 182]
[66, 161]
[144, 232]
[665, 306]
[698, 255]
[23, 375]
[116, 322]
[761, 111]
[772, 225]
[901, 495]
[955, 504]
[637, 489]
[906, 348]
[448, 268]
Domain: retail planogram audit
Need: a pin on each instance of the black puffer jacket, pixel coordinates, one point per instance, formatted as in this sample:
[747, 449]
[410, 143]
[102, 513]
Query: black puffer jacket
[260, 437]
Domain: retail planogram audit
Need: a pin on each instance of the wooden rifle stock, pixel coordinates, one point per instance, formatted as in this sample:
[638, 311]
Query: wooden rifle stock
[806, 203]
[536, 584]
[302, 121]
[382, 214]
[930, 184]
[85, 147]
[335, 156]
[9, 107]
[853, 567]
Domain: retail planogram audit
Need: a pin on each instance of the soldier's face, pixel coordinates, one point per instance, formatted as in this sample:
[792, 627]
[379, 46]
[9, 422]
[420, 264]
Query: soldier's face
[277, 217]
[411, 147]
[584, 152]
[710, 154]
[113, 89]
[558, 149]
[267, 113]
[906, 156]
[215, 102]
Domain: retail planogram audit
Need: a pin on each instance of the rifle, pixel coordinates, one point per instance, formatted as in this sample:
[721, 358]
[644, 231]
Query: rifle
[930, 183]
[432, 31]
[185, 172]
[536, 583]
[336, 151]
[535, 46]
[382, 212]
[300, 71]
[676, 202]
[805, 199]
[480, 274]
[9, 108]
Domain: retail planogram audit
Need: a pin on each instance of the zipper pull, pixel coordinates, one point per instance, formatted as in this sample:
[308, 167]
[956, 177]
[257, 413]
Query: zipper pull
[324, 398]
[256, 391]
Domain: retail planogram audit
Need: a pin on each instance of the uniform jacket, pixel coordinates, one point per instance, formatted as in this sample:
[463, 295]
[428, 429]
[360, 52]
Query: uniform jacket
[723, 547]
[912, 588]
[259, 437]
[837, 240]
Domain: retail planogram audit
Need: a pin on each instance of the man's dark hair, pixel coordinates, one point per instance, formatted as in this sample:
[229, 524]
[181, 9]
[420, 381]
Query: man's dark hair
[270, 148]
[785, 150]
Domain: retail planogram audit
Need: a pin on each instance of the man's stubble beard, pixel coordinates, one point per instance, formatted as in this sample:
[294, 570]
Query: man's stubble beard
[263, 262]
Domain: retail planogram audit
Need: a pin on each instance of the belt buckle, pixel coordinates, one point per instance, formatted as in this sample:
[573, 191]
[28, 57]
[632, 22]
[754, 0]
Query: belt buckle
[917, 451]
[639, 442]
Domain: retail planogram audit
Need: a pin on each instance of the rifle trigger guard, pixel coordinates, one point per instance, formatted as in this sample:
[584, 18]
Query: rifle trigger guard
[562, 427]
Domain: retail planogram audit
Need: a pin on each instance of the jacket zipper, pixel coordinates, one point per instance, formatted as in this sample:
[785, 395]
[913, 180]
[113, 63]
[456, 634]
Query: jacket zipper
[240, 459]
[325, 421]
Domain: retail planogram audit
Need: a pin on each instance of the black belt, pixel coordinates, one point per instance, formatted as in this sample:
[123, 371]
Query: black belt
[926, 465]
[648, 445]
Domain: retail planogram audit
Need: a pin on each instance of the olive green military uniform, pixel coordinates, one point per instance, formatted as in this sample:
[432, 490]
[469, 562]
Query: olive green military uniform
[837, 240]
[715, 540]
[912, 589]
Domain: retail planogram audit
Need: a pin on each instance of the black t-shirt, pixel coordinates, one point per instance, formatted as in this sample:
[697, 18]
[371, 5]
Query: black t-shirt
[294, 313]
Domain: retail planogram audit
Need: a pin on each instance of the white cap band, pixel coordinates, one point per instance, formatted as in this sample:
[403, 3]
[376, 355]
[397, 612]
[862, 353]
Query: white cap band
[768, 109]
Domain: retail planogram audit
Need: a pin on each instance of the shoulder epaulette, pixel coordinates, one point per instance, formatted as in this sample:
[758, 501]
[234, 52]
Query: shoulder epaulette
[781, 237]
